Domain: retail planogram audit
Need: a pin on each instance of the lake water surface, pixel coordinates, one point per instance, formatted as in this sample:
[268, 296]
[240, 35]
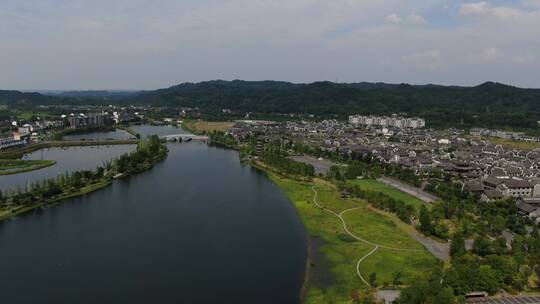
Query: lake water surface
[118, 134]
[199, 227]
[67, 159]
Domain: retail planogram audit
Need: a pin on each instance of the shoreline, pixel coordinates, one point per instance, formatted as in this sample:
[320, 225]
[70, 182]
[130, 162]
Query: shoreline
[309, 242]
[56, 200]
[45, 164]
[20, 152]
[12, 210]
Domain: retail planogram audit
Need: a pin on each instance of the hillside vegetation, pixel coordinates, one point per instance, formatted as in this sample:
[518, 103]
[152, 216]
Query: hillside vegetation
[491, 104]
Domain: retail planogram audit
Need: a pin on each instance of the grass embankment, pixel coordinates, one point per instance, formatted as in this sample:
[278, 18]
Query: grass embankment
[204, 127]
[128, 130]
[374, 185]
[7, 211]
[14, 166]
[514, 144]
[19, 152]
[332, 266]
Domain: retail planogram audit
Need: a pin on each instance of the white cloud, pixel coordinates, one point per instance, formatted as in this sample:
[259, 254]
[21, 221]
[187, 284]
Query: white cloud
[487, 56]
[393, 18]
[531, 3]
[478, 8]
[524, 60]
[431, 59]
[501, 12]
[412, 19]
[138, 44]
[416, 19]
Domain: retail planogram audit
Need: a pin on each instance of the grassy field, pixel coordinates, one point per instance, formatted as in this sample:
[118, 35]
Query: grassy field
[200, 126]
[374, 185]
[12, 166]
[26, 115]
[332, 271]
[512, 144]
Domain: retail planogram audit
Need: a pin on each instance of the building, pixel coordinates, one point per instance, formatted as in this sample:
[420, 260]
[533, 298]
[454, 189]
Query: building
[13, 140]
[516, 187]
[90, 120]
[384, 121]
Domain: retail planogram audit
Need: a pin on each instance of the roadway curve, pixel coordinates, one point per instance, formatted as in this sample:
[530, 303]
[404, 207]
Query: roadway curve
[344, 224]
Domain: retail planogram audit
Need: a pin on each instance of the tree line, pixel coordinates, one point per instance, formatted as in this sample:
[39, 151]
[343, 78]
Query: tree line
[147, 153]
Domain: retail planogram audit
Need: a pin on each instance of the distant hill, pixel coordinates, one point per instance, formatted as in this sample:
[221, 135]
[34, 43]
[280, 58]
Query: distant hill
[100, 94]
[14, 97]
[489, 104]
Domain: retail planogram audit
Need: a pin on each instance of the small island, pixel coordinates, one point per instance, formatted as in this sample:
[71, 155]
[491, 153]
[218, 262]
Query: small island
[14, 166]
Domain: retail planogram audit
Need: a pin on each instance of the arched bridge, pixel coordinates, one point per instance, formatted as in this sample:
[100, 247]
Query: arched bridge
[184, 137]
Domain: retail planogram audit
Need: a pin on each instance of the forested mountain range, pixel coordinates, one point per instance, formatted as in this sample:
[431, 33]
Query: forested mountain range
[487, 105]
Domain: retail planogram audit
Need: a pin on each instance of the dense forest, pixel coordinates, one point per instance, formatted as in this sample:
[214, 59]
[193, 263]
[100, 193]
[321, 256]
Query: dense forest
[488, 105]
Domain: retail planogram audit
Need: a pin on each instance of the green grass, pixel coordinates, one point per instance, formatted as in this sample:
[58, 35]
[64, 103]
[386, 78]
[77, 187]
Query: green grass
[333, 277]
[26, 115]
[374, 185]
[514, 144]
[12, 166]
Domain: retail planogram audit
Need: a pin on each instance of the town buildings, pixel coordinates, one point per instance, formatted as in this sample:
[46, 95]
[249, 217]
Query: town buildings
[88, 120]
[385, 121]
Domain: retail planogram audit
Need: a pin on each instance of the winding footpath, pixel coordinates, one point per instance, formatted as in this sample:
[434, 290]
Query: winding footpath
[344, 224]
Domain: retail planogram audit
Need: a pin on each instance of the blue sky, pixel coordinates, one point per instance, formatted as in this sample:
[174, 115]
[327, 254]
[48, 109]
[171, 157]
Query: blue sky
[143, 44]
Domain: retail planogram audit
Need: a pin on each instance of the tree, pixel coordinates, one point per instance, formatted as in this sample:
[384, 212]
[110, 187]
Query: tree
[487, 280]
[425, 221]
[396, 278]
[373, 279]
[427, 290]
[482, 246]
[498, 224]
[363, 297]
[457, 247]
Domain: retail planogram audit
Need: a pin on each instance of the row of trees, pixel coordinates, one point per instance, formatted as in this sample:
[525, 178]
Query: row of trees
[276, 158]
[220, 138]
[381, 201]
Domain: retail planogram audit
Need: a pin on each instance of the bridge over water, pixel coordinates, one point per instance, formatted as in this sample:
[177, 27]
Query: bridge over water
[184, 137]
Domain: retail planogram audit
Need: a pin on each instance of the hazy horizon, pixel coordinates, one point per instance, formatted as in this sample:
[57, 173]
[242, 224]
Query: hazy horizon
[146, 45]
[50, 91]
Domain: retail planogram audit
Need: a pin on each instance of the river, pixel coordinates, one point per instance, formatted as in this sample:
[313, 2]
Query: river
[117, 134]
[199, 227]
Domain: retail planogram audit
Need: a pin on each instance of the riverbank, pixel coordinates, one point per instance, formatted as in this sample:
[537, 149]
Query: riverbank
[51, 191]
[7, 212]
[129, 130]
[347, 232]
[20, 152]
[15, 166]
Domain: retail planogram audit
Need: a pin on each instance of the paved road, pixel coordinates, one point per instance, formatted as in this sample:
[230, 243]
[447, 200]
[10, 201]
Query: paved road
[414, 191]
[344, 224]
